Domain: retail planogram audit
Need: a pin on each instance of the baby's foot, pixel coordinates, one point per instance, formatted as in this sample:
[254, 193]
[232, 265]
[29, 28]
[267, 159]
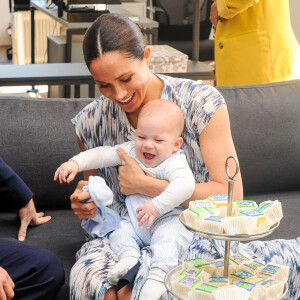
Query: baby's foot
[127, 261]
[154, 286]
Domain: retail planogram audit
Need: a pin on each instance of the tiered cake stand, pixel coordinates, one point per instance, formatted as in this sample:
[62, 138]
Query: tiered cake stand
[225, 237]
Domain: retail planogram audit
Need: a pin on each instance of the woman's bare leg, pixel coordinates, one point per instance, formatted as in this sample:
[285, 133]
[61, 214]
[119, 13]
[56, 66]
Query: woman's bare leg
[111, 295]
[124, 293]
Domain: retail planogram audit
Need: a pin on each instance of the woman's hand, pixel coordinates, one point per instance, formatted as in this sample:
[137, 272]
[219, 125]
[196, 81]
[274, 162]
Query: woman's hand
[29, 216]
[130, 175]
[214, 16]
[82, 210]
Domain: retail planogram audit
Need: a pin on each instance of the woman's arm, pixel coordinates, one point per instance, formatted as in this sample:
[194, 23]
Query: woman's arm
[83, 210]
[228, 9]
[216, 146]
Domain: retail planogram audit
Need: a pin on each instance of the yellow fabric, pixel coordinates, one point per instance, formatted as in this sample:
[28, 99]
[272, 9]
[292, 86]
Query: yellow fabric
[255, 43]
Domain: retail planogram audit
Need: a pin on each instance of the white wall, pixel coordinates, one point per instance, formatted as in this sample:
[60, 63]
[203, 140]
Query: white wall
[295, 12]
[4, 20]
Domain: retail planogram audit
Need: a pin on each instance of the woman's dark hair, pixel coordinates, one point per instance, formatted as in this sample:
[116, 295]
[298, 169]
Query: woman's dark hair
[113, 32]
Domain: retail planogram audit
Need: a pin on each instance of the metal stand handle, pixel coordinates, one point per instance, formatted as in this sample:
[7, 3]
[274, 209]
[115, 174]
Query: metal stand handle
[231, 180]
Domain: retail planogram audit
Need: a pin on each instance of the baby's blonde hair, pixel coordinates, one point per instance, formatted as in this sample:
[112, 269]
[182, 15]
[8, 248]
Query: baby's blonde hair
[167, 110]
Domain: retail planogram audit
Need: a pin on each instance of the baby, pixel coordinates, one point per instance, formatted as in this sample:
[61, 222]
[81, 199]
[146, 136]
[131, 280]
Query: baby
[157, 150]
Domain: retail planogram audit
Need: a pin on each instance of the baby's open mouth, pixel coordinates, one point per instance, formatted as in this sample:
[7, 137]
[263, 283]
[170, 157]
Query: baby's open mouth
[148, 155]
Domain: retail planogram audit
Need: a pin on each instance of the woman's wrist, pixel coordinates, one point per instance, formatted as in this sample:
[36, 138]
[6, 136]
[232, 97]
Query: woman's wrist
[150, 186]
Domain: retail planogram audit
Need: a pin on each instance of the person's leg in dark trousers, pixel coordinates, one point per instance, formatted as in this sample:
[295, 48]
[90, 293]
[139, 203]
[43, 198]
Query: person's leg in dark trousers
[36, 272]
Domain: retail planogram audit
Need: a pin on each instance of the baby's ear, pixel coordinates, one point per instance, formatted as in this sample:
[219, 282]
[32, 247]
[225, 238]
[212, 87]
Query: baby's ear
[178, 144]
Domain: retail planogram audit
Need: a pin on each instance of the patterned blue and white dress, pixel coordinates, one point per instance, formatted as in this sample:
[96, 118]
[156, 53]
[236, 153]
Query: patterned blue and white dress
[103, 123]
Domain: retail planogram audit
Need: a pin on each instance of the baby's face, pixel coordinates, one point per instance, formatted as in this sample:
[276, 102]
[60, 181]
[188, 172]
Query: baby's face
[155, 141]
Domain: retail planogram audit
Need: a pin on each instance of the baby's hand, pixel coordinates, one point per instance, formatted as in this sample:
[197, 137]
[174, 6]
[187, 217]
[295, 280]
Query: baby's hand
[66, 172]
[145, 212]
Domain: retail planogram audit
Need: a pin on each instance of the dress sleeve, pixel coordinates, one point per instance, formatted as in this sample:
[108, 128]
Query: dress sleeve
[205, 100]
[227, 9]
[14, 193]
[91, 122]
[181, 187]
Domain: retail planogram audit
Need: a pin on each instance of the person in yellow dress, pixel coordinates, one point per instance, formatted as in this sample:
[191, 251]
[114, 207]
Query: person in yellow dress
[254, 42]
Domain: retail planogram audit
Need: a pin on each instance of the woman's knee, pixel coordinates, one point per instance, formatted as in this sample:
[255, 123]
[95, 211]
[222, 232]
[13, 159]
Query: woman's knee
[88, 280]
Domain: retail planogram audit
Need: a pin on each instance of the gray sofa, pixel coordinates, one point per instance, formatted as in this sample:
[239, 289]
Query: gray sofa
[36, 135]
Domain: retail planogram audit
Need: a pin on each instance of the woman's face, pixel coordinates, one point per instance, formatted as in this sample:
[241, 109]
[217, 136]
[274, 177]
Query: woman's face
[122, 79]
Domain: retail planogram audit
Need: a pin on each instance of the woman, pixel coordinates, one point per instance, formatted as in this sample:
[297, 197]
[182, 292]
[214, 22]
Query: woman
[115, 54]
[254, 42]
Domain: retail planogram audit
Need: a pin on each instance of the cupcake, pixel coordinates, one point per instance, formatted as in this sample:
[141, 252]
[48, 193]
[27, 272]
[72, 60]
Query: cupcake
[256, 291]
[244, 205]
[193, 215]
[197, 273]
[231, 292]
[253, 266]
[273, 288]
[219, 200]
[203, 292]
[238, 259]
[183, 285]
[272, 210]
[219, 263]
[212, 224]
[239, 225]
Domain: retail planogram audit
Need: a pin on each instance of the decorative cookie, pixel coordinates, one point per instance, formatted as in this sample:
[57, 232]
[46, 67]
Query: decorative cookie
[253, 266]
[242, 276]
[244, 204]
[256, 291]
[252, 213]
[200, 264]
[274, 271]
[190, 263]
[273, 288]
[219, 263]
[272, 210]
[219, 200]
[239, 259]
[212, 224]
[217, 280]
[203, 292]
[202, 203]
[184, 284]
[197, 273]
[193, 215]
